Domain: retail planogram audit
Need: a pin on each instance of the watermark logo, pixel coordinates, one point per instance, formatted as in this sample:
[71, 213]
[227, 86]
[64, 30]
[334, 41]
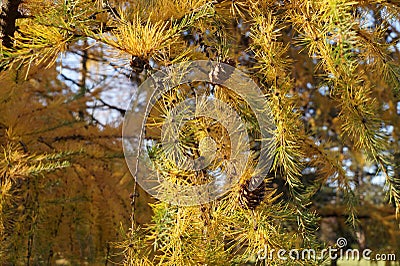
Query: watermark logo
[160, 117]
[338, 251]
[341, 242]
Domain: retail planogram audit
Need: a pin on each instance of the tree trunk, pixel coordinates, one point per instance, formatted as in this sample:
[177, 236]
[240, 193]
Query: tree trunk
[8, 16]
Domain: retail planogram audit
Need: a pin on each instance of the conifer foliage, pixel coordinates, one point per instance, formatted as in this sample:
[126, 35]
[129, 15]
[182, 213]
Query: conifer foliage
[328, 70]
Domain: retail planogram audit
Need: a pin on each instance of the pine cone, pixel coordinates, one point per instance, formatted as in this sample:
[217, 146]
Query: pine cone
[250, 197]
[138, 64]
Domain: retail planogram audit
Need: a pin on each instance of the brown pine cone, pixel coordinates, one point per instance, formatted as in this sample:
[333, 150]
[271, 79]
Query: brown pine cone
[250, 197]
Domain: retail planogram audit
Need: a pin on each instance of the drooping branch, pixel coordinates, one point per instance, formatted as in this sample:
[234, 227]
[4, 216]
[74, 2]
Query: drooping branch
[9, 14]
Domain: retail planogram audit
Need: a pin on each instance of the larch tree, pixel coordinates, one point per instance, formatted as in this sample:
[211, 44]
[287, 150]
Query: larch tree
[329, 75]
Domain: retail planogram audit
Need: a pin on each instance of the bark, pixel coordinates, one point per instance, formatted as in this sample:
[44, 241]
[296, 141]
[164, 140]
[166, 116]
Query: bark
[9, 14]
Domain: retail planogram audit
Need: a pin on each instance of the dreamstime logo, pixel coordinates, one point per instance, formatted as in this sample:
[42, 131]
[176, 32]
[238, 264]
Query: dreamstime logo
[339, 251]
[151, 152]
[341, 242]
